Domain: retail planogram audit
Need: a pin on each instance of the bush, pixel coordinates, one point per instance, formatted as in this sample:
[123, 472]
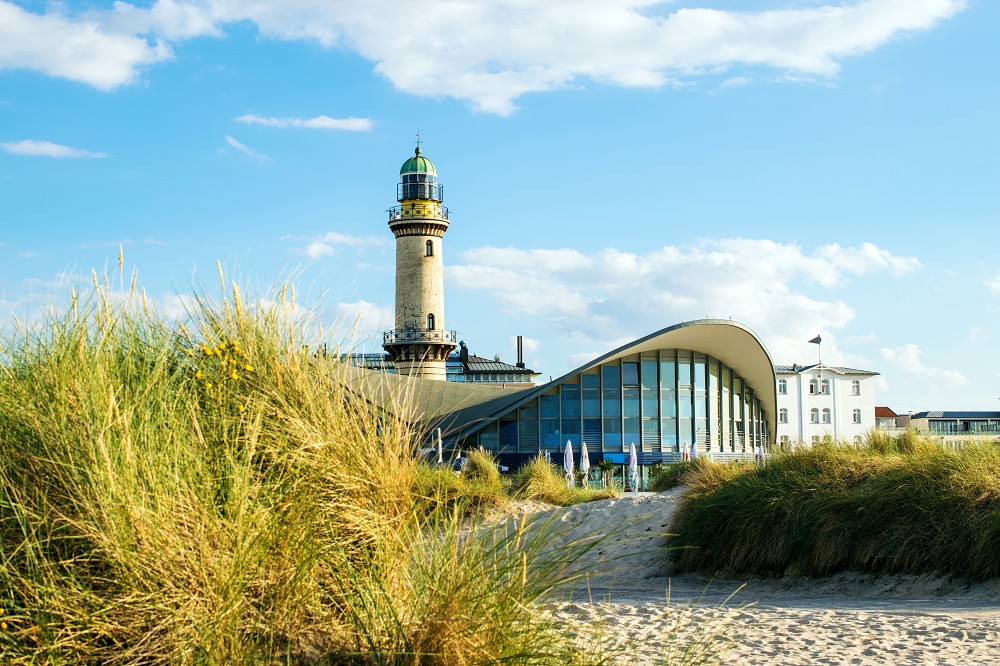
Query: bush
[912, 509]
[542, 481]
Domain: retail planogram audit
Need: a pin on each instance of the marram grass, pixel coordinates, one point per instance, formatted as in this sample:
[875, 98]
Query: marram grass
[898, 505]
[211, 494]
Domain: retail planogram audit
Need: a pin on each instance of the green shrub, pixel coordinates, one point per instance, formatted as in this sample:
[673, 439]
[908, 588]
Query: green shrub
[914, 509]
[542, 481]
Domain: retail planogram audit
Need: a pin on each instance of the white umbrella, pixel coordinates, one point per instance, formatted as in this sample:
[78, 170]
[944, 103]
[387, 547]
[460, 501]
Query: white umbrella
[633, 467]
[584, 463]
[568, 463]
[440, 448]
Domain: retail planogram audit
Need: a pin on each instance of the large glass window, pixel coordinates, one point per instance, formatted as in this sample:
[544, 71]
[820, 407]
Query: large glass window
[668, 371]
[649, 378]
[630, 374]
[611, 377]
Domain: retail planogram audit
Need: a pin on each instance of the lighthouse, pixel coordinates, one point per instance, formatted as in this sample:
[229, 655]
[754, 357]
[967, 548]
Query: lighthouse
[419, 344]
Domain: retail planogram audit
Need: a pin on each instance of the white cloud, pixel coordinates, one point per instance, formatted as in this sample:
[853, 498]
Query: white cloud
[994, 285]
[260, 158]
[907, 357]
[605, 299]
[327, 244]
[75, 48]
[47, 149]
[363, 319]
[319, 122]
[977, 335]
[485, 52]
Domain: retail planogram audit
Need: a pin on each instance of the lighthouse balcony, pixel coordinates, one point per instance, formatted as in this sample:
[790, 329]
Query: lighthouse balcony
[409, 335]
[417, 211]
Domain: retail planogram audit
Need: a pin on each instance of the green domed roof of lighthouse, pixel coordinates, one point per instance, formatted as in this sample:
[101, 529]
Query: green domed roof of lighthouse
[418, 164]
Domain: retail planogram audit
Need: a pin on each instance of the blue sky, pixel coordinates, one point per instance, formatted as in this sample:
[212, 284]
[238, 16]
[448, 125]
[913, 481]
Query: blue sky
[612, 167]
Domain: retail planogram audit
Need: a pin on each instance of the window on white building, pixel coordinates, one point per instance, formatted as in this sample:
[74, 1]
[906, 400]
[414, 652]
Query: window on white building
[855, 387]
[857, 440]
[815, 439]
[782, 415]
[814, 415]
[814, 386]
[857, 416]
[784, 441]
[825, 387]
[782, 386]
[826, 415]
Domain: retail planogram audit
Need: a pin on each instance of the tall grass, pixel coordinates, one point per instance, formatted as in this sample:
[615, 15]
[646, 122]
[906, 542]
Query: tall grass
[542, 481]
[896, 506]
[213, 494]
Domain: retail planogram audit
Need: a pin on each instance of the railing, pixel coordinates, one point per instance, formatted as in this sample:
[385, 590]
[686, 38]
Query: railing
[416, 211]
[401, 336]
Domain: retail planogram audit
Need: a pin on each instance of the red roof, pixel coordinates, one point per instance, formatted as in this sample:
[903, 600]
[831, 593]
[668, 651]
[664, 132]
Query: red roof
[884, 412]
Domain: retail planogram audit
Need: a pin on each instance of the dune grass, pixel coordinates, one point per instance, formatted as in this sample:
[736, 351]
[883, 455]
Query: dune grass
[214, 495]
[542, 481]
[896, 505]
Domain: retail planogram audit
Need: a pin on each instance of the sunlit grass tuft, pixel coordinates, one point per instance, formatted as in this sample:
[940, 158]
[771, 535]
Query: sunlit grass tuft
[893, 506]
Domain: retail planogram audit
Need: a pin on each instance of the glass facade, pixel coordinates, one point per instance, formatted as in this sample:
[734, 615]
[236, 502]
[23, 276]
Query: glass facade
[663, 401]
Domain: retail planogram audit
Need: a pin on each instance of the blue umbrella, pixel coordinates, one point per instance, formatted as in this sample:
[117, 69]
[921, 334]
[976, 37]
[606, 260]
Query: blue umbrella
[633, 467]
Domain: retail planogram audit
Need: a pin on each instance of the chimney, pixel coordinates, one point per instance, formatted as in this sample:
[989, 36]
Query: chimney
[463, 352]
[520, 351]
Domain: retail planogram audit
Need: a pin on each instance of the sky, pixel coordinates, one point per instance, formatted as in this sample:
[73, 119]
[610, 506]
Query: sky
[612, 167]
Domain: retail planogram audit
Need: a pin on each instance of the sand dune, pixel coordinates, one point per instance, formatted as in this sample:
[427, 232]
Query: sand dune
[843, 619]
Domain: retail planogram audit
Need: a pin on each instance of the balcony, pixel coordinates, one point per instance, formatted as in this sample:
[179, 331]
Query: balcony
[416, 211]
[410, 335]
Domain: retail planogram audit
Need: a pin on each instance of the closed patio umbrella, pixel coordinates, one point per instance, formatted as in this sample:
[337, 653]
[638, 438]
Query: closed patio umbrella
[584, 463]
[568, 463]
[633, 467]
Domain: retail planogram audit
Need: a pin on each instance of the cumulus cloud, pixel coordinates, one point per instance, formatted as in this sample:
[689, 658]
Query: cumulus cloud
[47, 149]
[260, 158]
[319, 122]
[907, 357]
[605, 299]
[77, 48]
[327, 244]
[994, 285]
[487, 52]
[362, 320]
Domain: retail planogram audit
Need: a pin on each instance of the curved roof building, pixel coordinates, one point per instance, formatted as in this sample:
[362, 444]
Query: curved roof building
[709, 384]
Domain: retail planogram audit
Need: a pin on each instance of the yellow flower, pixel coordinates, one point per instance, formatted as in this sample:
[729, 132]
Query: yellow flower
[197, 375]
[190, 352]
[208, 385]
[234, 375]
[207, 350]
[242, 409]
[248, 368]
[3, 626]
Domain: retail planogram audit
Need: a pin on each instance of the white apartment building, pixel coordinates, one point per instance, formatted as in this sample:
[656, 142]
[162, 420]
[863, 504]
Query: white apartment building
[817, 401]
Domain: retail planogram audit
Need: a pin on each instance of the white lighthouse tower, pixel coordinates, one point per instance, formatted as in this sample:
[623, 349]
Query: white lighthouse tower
[419, 344]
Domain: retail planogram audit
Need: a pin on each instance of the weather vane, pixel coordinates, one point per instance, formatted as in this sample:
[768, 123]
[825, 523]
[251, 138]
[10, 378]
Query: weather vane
[418, 141]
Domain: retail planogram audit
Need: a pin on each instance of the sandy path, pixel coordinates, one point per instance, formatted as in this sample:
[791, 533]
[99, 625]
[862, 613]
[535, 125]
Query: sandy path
[845, 619]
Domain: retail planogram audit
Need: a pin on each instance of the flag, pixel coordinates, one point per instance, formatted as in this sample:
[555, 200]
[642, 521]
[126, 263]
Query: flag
[816, 340]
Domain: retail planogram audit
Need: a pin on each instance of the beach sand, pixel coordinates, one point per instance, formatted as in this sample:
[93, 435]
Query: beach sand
[843, 619]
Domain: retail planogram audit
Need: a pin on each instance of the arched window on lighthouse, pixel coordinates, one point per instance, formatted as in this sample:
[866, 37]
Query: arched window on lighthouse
[430, 319]
[428, 249]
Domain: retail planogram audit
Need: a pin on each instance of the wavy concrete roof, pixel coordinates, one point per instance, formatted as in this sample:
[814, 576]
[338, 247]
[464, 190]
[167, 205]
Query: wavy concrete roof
[461, 409]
